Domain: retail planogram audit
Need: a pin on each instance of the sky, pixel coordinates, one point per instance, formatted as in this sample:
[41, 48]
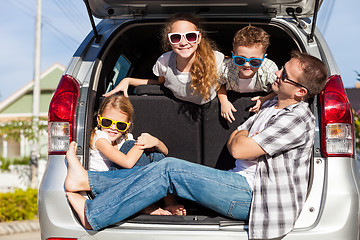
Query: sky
[65, 24]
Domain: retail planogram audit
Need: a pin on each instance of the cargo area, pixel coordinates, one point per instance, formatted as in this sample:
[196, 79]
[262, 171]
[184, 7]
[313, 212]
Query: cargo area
[191, 132]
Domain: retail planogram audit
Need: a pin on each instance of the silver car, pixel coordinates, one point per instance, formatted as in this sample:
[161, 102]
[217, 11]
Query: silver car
[126, 43]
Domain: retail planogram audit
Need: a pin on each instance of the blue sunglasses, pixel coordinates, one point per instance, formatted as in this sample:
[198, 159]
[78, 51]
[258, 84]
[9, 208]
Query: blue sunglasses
[254, 62]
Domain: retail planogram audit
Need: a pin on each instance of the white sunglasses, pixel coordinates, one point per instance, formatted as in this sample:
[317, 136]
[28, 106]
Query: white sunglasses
[190, 37]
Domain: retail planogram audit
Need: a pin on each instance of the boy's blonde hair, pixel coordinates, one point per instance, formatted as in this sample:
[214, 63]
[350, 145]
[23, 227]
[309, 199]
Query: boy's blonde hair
[203, 70]
[117, 102]
[250, 36]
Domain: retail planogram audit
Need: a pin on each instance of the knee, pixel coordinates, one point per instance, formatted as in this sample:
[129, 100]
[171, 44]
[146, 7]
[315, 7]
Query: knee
[173, 163]
[127, 145]
[171, 160]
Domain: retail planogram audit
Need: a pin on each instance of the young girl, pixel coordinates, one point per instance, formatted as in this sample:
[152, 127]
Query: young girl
[111, 134]
[190, 69]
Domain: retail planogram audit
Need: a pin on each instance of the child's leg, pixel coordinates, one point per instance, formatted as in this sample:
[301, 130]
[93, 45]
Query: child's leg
[125, 148]
[173, 206]
[155, 156]
[145, 159]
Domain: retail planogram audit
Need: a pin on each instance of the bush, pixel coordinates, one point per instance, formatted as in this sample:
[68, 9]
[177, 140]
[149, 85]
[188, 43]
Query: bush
[357, 130]
[18, 205]
[6, 162]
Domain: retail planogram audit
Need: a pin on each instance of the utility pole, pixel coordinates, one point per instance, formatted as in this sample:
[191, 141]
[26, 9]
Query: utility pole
[36, 96]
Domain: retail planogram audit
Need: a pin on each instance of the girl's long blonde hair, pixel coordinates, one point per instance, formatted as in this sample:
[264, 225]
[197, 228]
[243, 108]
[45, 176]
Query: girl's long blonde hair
[117, 102]
[203, 70]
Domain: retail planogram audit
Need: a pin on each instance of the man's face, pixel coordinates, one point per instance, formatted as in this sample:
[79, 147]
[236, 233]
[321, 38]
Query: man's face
[246, 71]
[287, 82]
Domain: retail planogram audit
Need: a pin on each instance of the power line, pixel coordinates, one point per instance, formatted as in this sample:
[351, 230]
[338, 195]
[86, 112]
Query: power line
[59, 34]
[62, 37]
[332, 3]
[327, 11]
[80, 14]
[25, 9]
[63, 7]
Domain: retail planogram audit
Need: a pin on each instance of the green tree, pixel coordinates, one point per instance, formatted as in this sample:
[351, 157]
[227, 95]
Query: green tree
[16, 128]
[357, 121]
[357, 130]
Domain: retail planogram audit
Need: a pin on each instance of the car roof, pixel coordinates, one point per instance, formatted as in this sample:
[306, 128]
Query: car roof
[251, 8]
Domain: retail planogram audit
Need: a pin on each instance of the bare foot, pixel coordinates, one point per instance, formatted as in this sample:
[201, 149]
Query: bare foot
[155, 210]
[173, 206]
[176, 209]
[77, 177]
[78, 203]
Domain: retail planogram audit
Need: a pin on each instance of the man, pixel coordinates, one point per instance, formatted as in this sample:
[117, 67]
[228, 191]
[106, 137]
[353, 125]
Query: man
[268, 185]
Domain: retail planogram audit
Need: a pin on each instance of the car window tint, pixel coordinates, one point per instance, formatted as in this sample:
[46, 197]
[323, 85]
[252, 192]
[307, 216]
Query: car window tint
[120, 71]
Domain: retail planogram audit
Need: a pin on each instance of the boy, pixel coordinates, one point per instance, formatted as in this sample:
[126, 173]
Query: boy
[278, 140]
[248, 70]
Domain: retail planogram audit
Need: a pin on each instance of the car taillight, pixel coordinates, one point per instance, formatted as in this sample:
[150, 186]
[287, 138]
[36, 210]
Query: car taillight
[337, 120]
[61, 115]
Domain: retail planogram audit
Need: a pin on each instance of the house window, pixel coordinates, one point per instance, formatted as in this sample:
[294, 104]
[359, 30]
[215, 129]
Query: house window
[13, 148]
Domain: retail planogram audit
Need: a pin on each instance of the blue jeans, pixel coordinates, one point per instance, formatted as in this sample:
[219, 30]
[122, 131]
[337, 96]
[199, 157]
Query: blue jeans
[146, 158]
[122, 193]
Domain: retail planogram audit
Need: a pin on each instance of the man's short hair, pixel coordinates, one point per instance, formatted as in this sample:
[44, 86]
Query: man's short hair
[250, 36]
[314, 72]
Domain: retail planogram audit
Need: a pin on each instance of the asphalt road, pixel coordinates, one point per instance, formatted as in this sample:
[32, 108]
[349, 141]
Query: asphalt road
[35, 235]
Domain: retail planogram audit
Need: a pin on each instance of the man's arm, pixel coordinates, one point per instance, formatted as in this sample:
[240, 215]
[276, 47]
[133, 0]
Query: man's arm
[241, 146]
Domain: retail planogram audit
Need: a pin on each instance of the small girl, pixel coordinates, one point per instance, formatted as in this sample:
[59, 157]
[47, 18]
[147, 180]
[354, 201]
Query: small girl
[190, 69]
[112, 133]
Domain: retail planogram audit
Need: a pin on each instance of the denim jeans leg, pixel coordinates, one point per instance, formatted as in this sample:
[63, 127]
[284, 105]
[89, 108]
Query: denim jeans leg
[101, 182]
[121, 195]
[145, 159]
[155, 156]
[225, 192]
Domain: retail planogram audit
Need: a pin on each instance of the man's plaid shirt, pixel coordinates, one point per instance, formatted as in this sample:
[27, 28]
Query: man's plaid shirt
[282, 174]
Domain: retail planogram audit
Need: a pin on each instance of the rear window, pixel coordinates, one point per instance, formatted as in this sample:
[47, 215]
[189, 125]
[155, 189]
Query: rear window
[120, 70]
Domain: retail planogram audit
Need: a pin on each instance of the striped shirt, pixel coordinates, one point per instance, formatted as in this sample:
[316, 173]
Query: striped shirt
[282, 174]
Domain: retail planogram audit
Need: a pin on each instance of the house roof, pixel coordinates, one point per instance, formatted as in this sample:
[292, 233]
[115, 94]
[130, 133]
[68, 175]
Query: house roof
[19, 105]
[354, 98]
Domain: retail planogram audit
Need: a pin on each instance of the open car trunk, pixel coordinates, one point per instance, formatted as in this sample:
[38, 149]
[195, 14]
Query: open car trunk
[191, 132]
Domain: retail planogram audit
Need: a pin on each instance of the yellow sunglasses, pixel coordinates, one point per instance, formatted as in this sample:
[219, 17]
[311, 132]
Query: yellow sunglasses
[120, 125]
